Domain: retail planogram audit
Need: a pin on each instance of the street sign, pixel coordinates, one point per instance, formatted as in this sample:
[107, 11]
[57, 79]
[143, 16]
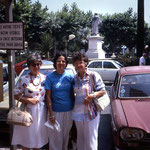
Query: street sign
[12, 36]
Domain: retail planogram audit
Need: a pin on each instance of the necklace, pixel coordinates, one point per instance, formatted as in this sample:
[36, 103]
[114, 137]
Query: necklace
[33, 82]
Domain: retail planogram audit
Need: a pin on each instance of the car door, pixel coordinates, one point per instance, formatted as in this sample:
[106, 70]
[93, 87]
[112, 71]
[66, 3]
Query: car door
[109, 71]
[96, 66]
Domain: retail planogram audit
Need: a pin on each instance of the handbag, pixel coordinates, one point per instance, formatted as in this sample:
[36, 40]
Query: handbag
[16, 116]
[101, 102]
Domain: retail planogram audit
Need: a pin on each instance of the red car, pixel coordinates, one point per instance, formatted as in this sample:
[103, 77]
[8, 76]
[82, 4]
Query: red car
[20, 66]
[130, 108]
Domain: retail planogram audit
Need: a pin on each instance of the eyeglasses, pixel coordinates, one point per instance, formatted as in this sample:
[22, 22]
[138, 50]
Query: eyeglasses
[35, 64]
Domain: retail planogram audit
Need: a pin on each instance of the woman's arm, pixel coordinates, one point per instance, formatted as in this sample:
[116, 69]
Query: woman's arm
[25, 99]
[49, 105]
[93, 95]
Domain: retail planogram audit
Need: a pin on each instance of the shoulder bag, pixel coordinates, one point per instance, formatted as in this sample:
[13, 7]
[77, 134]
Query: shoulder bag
[16, 116]
[101, 102]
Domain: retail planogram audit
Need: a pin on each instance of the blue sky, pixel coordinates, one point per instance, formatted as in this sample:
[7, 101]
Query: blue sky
[99, 6]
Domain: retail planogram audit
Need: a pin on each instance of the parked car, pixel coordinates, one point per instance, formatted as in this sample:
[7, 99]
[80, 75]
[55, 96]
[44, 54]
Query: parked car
[130, 108]
[106, 68]
[45, 69]
[20, 66]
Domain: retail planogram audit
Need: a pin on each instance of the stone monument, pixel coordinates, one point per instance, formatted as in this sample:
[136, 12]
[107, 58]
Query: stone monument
[95, 50]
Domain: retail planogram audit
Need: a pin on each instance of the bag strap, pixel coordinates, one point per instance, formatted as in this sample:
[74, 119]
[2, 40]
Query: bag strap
[92, 81]
[17, 105]
[19, 100]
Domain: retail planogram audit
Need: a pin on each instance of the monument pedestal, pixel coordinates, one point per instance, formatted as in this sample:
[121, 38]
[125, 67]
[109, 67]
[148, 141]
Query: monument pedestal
[95, 50]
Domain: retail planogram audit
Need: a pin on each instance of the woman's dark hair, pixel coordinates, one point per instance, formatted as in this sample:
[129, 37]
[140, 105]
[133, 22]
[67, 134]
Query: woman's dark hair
[33, 57]
[80, 56]
[58, 54]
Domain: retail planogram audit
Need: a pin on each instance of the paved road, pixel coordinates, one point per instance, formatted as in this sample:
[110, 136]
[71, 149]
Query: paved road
[105, 139]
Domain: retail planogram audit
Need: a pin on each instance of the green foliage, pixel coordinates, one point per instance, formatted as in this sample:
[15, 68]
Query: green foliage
[46, 45]
[34, 18]
[128, 59]
[119, 29]
[66, 22]
[2, 13]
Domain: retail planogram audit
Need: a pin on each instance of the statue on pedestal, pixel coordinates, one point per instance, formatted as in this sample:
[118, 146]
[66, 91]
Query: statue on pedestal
[95, 23]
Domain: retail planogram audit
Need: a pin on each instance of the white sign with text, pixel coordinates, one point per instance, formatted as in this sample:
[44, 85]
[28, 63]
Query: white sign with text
[12, 36]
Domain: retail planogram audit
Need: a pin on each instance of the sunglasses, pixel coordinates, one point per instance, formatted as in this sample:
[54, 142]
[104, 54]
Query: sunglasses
[35, 64]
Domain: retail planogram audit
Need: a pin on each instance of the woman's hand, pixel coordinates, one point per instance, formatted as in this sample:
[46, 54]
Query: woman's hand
[33, 101]
[88, 99]
[52, 119]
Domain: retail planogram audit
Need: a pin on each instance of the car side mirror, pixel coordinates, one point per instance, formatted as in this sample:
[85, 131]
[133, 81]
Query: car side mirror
[4, 82]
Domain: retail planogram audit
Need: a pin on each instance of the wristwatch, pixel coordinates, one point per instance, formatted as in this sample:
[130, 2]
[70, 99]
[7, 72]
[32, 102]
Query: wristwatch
[94, 95]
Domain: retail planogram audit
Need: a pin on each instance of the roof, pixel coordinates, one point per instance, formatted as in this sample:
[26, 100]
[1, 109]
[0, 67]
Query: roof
[134, 70]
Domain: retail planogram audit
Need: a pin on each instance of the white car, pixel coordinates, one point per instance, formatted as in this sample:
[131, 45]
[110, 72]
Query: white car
[5, 77]
[45, 69]
[106, 68]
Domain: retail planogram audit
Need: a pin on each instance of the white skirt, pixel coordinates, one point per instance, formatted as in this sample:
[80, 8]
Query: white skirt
[34, 136]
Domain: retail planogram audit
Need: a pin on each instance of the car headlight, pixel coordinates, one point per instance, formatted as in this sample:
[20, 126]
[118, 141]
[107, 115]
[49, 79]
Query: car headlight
[131, 134]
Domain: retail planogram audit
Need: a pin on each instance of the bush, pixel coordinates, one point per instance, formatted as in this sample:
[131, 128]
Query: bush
[128, 60]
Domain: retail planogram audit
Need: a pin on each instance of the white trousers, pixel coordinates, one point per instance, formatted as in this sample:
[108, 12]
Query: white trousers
[87, 134]
[59, 140]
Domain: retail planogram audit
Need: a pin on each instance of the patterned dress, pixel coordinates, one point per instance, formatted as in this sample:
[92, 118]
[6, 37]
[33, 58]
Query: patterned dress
[34, 136]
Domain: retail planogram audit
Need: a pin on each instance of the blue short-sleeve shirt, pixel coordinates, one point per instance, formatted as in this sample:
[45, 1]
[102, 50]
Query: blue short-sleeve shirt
[60, 86]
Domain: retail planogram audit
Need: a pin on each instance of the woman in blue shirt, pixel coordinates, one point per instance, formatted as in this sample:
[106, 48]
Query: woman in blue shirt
[58, 87]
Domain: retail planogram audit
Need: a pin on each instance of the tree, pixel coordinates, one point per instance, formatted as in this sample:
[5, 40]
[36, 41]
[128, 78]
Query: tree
[66, 22]
[118, 30]
[46, 45]
[34, 18]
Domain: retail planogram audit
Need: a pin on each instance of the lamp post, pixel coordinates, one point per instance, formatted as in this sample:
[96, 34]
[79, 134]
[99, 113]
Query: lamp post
[70, 37]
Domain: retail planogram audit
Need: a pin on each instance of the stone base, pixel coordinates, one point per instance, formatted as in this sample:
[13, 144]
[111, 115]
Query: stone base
[95, 48]
[95, 54]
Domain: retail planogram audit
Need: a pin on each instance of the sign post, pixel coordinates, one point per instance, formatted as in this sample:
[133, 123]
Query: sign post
[10, 42]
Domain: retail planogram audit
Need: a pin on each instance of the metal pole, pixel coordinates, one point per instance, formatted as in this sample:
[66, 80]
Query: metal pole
[140, 28]
[11, 77]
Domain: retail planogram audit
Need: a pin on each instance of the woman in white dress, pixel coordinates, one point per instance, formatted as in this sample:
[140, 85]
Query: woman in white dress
[31, 86]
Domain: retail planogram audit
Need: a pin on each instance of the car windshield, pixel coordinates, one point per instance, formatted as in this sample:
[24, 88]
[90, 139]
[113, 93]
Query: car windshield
[135, 86]
[118, 63]
[45, 71]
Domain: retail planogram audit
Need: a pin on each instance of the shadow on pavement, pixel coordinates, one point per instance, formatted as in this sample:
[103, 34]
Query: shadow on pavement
[105, 138]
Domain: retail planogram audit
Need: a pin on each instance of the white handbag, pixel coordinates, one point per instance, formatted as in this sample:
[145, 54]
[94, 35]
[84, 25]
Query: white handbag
[101, 102]
[17, 116]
